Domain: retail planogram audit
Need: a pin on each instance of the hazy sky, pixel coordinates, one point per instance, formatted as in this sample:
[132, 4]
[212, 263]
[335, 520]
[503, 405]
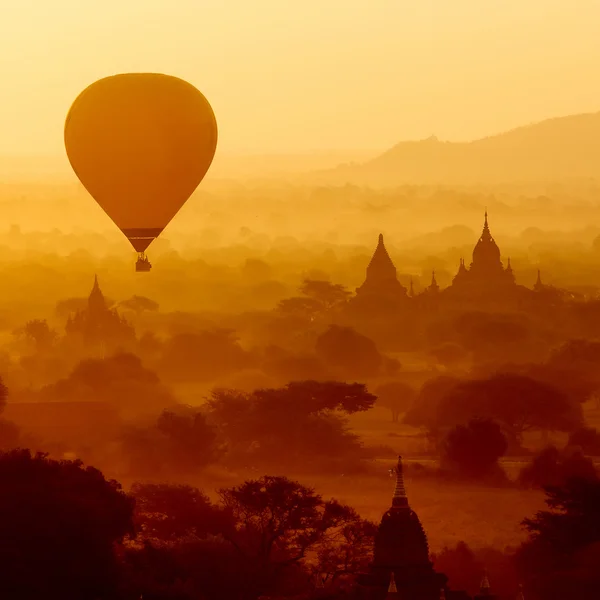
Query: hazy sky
[298, 75]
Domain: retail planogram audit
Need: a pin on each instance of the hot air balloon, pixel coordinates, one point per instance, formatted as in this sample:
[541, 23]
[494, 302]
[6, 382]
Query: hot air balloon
[141, 143]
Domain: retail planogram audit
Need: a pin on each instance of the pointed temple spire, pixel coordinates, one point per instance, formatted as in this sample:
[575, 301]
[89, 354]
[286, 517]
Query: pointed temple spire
[399, 499]
[96, 301]
[484, 588]
[539, 286]
[434, 287]
[486, 235]
[381, 265]
[411, 292]
[392, 589]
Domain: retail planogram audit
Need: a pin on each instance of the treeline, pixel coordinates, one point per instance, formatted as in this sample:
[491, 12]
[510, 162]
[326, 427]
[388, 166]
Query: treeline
[74, 534]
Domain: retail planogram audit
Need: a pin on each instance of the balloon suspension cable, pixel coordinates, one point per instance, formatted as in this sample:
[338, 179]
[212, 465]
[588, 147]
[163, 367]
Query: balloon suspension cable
[143, 264]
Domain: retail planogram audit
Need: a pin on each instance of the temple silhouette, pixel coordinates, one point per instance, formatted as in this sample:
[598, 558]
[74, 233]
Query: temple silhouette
[485, 283]
[100, 327]
[401, 567]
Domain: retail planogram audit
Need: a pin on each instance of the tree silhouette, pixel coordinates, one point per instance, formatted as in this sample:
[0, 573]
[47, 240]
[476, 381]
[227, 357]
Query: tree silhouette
[3, 395]
[139, 304]
[279, 521]
[518, 403]
[560, 559]
[170, 512]
[10, 435]
[448, 354]
[39, 332]
[396, 396]
[586, 438]
[329, 295]
[295, 426]
[175, 443]
[551, 467]
[474, 449]
[423, 412]
[63, 521]
[349, 352]
[120, 379]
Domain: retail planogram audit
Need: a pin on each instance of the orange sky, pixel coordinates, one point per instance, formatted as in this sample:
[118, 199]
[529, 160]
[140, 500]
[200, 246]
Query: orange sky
[288, 76]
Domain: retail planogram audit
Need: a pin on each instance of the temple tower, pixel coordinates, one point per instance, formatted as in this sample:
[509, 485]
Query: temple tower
[381, 280]
[401, 552]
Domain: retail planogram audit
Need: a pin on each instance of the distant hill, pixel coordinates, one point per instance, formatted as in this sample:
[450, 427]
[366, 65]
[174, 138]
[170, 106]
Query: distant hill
[555, 149]
[52, 169]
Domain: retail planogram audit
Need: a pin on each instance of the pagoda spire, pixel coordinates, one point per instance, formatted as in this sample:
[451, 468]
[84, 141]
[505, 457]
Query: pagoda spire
[96, 301]
[434, 284]
[411, 292]
[485, 234]
[485, 588]
[399, 499]
[392, 589]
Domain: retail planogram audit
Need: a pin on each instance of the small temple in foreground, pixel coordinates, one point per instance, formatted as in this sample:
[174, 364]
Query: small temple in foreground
[401, 566]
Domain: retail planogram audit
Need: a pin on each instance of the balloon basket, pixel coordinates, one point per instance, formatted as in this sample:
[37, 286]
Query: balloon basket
[142, 265]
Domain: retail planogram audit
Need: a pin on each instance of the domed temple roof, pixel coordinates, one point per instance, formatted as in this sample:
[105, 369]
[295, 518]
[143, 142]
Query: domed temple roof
[486, 254]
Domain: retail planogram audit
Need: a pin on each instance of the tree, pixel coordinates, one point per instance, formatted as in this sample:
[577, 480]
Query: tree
[329, 295]
[473, 449]
[190, 441]
[317, 299]
[316, 397]
[560, 558]
[396, 396]
[586, 438]
[299, 306]
[461, 566]
[346, 552]
[423, 412]
[169, 512]
[279, 521]
[175, 443]
[10, 435]
[120, 379]
[492, 335]
[295, 426]
[63, 521]
[256, 270]
[551, 467]
[516, 402]
[352, 354]
[449, 354]
[203, 356]
[39, 332]
[3, 395]
[139, 304]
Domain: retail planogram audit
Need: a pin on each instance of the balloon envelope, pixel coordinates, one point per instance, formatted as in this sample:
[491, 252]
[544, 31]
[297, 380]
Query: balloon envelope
[140, 143]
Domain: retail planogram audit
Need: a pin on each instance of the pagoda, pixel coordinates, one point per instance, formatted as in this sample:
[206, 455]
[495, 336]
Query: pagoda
[401, 567]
